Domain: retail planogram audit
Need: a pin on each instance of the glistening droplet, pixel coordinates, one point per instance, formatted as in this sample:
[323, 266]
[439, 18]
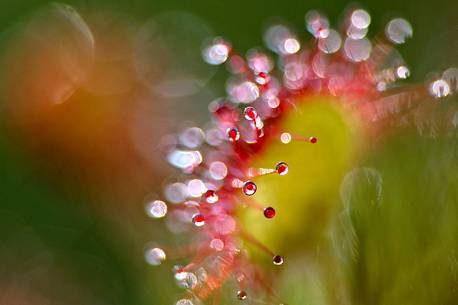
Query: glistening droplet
[155, 256]
[398, 30]
[211, 196]
[156, 209]
[198, 220]
[241, 295]
[233, 134]
[281, 168]
[249, 188]
[184, 302]
[217, 51]
[250, 113]
[277, 260]
[269, 212]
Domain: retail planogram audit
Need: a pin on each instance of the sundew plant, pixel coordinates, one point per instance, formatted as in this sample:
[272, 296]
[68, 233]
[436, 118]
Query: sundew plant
[324, 176]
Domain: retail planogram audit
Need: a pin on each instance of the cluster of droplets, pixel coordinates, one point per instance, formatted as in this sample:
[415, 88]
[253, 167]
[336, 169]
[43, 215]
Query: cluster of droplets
[215, 161]
[205, 201]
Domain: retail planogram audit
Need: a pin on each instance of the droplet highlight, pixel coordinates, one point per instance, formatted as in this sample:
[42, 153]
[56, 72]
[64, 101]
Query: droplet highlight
[398, 30]
[184, 302]
[278, 260]
[249, 188]
[250, 113]
[217, 52]
[242, 295]
[233, 134]
[269, 212]
[281, 168]
[198, 220]
[439, 88]
[155, 256]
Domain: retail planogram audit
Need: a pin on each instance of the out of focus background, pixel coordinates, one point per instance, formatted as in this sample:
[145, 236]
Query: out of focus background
[89, 89]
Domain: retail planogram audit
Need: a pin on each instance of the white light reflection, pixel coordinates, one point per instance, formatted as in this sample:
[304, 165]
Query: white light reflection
[217, 51]
[439, 88]
[398, 30]
[156, 209]
[184, 159]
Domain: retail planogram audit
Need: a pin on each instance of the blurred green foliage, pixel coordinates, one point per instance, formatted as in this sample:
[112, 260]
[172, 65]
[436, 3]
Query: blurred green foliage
[401, 243]
[52, 246]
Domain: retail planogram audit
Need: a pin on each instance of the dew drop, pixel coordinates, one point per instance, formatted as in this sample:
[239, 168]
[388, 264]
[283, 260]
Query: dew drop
[402, 72]
[211, 196]
[243, 91]
[313, 140]
[156, 209]
[176, 192]
[398, 30]
[294, 75]
[184, 302]
[196, 187]
[233, 134]
[291, 45]
[259, 62]
[381, 86]
[285, 137]
[271, 98]
[249, 188]
[186, 280]
[269, 212]
[281, 168]
[262, 78]
[439, 88]
[217, 244]
[214, 136]
[184, 159]
[321, 67]
[155, 256]
[242, 295]
[360, 19]
[357, 49]
[217, 51]
[198, 220]
[192, 137]
[218, 170]
[250, 113]
[278, 260]
[356, 33]
[331, 43]
[281, 40]
[316, 24]
[451, 76]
